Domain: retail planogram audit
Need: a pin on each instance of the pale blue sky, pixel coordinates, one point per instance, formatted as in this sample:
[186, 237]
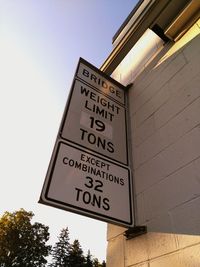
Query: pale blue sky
[40, 45]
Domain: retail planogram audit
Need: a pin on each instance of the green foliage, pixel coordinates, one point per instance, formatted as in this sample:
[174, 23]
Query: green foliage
[76, 257]
[103, 264]
[60, 252]
[88, 261]
[65, 254]
[22, 243]
[96, 263]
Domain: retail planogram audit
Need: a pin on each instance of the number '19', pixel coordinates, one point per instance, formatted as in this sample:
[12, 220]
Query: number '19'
[97, 124]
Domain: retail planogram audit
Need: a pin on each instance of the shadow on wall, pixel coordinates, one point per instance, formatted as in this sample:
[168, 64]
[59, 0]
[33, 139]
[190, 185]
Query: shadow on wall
[165, 115]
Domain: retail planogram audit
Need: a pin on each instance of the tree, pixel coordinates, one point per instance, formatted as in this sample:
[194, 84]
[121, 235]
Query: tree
[60, 252]
[93, 262]
[88, 262]
[65, 254]
[96, 263]
[22, 243]
[76, 255]
[103, 264]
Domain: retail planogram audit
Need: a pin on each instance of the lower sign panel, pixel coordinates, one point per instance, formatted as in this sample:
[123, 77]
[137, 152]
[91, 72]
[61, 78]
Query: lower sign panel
[84, 183]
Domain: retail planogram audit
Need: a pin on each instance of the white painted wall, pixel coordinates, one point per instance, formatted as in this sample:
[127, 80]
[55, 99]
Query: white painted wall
[165, 121]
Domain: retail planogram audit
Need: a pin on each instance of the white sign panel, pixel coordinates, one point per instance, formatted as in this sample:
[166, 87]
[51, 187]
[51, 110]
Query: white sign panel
[84, 183]
[96, 122]
[88, 172]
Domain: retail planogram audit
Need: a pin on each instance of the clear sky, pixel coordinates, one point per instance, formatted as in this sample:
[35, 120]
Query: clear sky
[40, 45]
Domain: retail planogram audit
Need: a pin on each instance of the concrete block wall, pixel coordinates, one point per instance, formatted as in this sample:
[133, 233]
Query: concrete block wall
[165, 124]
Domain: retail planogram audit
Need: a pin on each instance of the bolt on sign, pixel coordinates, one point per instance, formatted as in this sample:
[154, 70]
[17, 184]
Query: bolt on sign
[88, 172]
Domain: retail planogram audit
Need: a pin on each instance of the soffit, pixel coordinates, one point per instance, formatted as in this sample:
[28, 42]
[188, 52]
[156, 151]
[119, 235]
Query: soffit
[160, 13]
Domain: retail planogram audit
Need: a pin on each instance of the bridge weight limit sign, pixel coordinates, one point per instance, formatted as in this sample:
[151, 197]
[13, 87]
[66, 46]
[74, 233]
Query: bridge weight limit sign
[88, 173]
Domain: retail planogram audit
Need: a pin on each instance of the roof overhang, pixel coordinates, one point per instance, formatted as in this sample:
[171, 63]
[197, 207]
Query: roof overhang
[168, 18]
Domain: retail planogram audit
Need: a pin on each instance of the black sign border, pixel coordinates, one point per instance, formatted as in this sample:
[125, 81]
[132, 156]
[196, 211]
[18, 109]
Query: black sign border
[74, 209]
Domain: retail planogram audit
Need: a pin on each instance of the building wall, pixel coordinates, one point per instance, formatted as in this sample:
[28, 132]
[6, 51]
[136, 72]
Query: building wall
[164, 106]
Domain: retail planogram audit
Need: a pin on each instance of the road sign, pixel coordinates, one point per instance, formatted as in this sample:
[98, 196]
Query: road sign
[96, 122]
[84, 183]
[88, 172]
